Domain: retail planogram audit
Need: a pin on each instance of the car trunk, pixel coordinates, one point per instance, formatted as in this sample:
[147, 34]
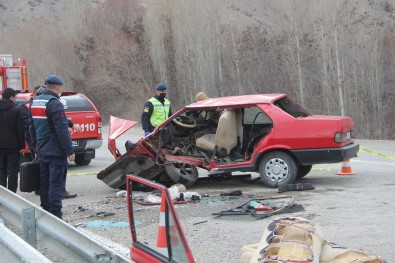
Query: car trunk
[314, 131]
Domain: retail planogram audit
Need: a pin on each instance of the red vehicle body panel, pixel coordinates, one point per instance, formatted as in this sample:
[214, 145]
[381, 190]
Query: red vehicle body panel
[286, 128]
[117, 128]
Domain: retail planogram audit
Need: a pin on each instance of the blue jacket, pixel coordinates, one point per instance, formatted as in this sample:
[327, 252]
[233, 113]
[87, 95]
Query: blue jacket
[50, 133]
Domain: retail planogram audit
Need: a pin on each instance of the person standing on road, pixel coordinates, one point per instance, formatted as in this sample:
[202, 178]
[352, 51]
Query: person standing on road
[51, 135]
[12, 139]
[37, 91]
[156, 110]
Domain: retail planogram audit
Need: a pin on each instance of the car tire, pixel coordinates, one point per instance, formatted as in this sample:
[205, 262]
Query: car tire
[303, 170]
[182, 173]
[80, 160]
[277, 169]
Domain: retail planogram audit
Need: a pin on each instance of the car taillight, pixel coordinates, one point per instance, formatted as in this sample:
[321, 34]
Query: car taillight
[99, 125]
[341, 137]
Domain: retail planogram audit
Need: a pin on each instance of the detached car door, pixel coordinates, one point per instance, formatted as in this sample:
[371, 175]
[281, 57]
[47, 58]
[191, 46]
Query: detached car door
[160, 237]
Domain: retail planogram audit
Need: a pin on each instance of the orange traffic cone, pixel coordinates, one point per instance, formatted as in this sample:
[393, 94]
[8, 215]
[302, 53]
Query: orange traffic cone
[346, 169]
[175, 246]
[161, 243]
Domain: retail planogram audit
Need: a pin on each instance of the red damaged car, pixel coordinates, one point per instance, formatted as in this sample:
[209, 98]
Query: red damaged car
[266, 133]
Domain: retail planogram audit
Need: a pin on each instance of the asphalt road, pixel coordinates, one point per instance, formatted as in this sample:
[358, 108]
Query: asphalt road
[354, 211]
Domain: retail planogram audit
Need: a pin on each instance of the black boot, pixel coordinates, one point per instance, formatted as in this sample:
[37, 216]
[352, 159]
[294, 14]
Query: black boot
[57, 214]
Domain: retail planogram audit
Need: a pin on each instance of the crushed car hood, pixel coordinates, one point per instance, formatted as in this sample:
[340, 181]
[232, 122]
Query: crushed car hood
[118, 127]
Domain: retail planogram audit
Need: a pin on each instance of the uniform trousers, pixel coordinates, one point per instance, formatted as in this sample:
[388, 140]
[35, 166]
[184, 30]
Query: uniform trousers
[9, 169]
[53, 170]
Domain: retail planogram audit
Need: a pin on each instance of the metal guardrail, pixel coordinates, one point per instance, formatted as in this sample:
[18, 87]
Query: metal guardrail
[15, 249]
[40, 227]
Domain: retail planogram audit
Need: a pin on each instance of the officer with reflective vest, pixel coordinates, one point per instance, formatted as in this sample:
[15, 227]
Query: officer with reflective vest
[50, 133]
[156, 110]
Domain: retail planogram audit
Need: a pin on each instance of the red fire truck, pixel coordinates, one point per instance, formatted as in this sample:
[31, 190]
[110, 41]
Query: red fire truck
[13, 74]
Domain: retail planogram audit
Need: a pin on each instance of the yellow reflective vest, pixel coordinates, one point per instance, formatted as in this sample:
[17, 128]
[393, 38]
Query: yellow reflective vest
[160, 112]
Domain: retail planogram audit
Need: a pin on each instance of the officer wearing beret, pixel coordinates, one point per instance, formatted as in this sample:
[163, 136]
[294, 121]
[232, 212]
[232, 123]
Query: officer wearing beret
[50, 133]
[37, 91]
[156, 110]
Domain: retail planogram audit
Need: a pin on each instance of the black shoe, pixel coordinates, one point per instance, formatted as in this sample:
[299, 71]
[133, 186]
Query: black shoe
[67, 195]
[58, 214]
[37, 192]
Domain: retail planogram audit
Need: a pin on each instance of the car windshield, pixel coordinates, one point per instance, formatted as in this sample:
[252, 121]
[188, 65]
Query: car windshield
[76, 102]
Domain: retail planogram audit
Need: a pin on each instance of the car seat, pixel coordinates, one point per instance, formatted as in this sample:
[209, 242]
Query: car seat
[225, 136]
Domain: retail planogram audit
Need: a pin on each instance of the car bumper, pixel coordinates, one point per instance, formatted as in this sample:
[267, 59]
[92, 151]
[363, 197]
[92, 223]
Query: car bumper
[115, 175]
[328, 155]
[93, 144]
[85, 144]
[87, 147]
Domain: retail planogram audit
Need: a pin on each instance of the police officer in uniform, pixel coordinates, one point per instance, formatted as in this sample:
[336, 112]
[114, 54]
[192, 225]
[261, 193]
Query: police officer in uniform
[37, 91]
[50, 132]
[156, 110]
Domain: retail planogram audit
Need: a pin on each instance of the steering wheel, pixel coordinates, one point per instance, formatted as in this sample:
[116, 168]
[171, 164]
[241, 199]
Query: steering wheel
[185, 122]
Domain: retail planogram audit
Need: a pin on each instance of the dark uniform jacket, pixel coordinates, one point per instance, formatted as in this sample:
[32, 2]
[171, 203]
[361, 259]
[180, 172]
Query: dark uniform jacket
[50, 133]
[12, 136]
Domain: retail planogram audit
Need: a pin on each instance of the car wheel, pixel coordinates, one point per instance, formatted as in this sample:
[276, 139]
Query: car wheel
[80, 160]
[303, 170]
[185, 174]
[277, 169]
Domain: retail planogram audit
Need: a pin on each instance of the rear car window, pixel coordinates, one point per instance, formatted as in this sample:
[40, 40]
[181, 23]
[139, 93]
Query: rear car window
[290, 107]
[254, 115]
[76, 102]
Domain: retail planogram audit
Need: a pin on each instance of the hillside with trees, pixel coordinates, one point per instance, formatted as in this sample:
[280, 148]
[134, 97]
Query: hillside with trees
[333, 57]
